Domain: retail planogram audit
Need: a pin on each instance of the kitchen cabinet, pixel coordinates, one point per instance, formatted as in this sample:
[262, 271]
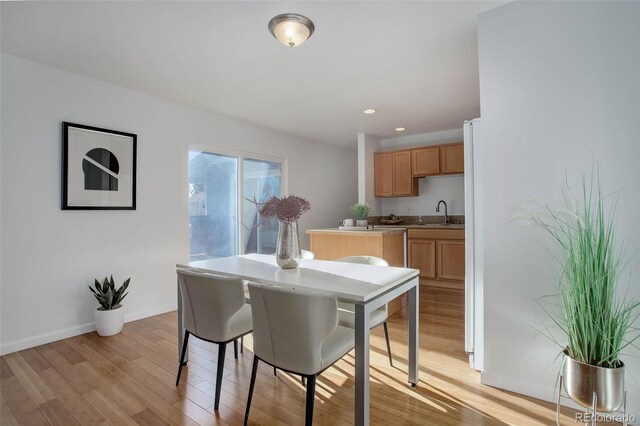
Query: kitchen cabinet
[450, 255]
[396, 173]
[422, 256]
[392, 174]
[425, 161]
[403, 182]
[383, 177]
[437, 253]
[452, 159]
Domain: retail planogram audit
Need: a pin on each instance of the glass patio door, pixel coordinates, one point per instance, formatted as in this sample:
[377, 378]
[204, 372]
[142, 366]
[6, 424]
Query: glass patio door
[223, 220]
[261, 180]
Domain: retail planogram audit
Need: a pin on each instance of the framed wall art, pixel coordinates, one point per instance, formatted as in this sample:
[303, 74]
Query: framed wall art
[98, 168]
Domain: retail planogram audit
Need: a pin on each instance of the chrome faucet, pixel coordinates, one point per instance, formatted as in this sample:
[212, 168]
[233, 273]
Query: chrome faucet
[446, 216]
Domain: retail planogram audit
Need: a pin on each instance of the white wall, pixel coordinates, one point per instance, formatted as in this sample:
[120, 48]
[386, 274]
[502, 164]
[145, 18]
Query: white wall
[560, 87]
[431, 189]
[367, 145]
[49, 255]
[424, 139]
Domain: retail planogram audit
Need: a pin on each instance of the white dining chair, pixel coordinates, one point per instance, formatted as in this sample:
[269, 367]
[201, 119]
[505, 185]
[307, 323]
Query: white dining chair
[297, 332]
[306, 254]
[214, 310]
[347, 311]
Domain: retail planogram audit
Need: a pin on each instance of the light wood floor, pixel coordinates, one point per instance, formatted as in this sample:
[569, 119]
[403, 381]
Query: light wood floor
[129, 379]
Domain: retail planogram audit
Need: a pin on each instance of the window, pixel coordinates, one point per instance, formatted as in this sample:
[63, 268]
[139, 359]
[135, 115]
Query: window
[223, 220]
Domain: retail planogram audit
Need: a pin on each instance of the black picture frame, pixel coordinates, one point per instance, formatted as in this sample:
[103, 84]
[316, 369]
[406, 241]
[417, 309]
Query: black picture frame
[98, 168]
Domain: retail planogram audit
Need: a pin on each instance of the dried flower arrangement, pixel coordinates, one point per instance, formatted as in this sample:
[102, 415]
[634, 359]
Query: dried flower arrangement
[286, 209]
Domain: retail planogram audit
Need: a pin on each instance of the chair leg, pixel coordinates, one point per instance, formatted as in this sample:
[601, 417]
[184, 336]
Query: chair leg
[254, 370]
[222, 350]
[241, 344]
[182, 355]
[386, 336]
[311, 392]
[235, 349]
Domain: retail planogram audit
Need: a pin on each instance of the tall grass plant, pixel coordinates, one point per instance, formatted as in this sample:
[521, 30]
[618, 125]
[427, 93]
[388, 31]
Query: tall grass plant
[598, 323]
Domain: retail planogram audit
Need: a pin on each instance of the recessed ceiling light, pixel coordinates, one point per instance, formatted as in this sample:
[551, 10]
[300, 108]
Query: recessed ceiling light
[400, 129]
[369, 111]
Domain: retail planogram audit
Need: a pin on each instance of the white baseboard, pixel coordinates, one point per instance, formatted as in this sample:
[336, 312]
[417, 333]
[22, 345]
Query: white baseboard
[42, 339]
[533, 390]
[538, 391]
[149, 313]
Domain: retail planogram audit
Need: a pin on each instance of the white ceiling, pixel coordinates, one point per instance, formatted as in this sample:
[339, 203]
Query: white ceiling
[414, 62]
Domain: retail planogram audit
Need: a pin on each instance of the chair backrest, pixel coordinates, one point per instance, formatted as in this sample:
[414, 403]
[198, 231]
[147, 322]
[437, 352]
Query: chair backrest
[289, 326]
[368, 260]
[208, 303]
[306, 254]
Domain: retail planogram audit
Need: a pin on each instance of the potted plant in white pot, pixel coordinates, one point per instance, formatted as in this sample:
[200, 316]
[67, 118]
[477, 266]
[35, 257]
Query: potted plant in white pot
[597, 323]
[110, 315]
[361, 212]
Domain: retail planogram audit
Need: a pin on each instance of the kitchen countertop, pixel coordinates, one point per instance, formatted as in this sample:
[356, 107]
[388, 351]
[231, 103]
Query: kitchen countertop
[376, 230]
[425, 226]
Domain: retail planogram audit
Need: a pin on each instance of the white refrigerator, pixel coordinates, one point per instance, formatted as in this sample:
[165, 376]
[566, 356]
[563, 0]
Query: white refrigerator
[474, 263]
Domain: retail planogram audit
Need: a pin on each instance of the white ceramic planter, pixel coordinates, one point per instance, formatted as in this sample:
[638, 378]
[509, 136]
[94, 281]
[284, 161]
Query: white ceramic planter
[109, 322]
[364, 222]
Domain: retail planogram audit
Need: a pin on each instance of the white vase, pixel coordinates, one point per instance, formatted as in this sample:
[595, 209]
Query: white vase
[109, 322]
[364, 222]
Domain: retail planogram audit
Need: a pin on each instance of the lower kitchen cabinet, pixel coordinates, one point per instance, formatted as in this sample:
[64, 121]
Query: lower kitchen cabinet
[422, 255]
[450, 255]
[437, 253]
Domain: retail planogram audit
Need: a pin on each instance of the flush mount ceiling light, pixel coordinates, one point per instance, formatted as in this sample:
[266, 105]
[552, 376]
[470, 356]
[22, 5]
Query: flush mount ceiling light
[400, 129]
[369, 111]
[291, 29]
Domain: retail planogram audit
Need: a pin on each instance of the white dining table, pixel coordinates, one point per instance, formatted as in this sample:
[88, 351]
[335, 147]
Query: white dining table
[368, 287]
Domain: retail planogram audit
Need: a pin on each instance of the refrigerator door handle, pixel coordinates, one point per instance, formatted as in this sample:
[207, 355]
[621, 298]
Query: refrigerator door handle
[469, 239]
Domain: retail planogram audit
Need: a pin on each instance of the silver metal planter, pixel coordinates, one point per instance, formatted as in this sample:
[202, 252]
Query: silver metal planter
[582, 381]
[595, 388]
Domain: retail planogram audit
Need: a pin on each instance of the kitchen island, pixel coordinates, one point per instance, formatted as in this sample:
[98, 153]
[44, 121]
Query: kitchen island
[386, 243]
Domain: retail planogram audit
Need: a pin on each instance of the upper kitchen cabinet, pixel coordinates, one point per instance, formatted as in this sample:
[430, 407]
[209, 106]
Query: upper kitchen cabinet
[403, 182]
[425, 161]
[383, 168]
[452, 159]
[396, 173]
[393, 177]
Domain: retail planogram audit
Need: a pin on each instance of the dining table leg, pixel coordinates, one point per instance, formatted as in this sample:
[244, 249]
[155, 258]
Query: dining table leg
[362, 332]
[414, 313]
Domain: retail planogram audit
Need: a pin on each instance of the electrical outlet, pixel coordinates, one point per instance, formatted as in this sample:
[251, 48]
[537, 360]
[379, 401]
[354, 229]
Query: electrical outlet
[411, 210]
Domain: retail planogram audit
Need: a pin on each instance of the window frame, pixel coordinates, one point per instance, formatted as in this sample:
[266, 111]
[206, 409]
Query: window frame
[240, 156]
